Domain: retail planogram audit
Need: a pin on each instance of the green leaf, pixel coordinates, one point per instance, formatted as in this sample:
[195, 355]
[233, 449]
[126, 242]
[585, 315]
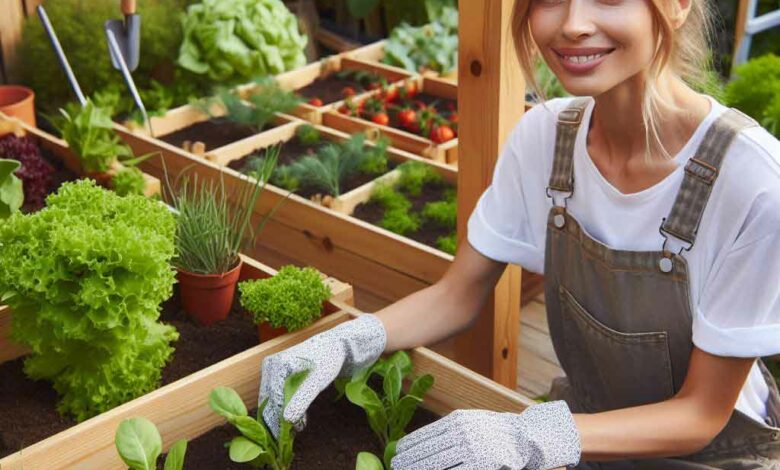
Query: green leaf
[138, 443]
[253, 430]
[421, 385]
[363, 396]
[401, 415]
[368, 461]
[175, 458]
[293, 383]
[243, 450]
[390, 452]
[227, 403]
[392, 384]
[11, 191]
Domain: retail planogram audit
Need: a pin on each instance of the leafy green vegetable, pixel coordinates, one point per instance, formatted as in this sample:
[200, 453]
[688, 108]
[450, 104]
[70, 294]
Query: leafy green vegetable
[266, 100]
[129, 180]
[442, 213]
[85, 277]
[389, 411]
[292, 299]
[257, 446]
[415, 175]
[236, 40]
[368, 461]
[429, 47]
[448, 244]
[11, 191]
[89, 132]
[397, 217]
[139, 445]
[210, 229]
[308, 134]
[755, 90]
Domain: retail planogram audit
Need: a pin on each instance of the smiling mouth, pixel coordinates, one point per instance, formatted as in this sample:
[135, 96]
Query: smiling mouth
[584, 58]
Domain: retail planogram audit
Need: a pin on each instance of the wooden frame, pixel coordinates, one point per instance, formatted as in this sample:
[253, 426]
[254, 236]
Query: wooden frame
[304, 76]
[443, 153]
[82, 436]
[60, 149]
[181, 411]
[375, 52]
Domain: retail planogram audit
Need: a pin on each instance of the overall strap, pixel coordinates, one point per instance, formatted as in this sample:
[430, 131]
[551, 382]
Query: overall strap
[701, 171]
[569, 119]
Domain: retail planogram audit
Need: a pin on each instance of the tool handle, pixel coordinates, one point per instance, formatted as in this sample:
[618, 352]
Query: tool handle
[128, 7]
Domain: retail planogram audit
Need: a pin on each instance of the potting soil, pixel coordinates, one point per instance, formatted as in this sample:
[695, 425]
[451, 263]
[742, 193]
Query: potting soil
[215, 133]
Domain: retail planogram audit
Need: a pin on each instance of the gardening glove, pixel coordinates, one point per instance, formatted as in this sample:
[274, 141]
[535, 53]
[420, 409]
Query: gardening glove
[338, 352]
[542, 437]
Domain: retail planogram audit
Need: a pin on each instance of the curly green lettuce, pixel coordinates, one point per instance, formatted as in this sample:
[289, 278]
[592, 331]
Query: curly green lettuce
[85, 278]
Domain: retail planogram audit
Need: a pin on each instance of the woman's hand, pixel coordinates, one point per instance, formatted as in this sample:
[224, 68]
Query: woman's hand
[542, 437]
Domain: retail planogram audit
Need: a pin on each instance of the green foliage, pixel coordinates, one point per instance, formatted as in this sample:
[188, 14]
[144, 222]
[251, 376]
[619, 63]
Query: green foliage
[448, 244]
[388, 410]
[368, 461]
[433, 46]
[442, 213]
[89, 132]
[210, 229]
[139, 445]
[263, 104]
[711, 84]
[548, 82]
[79, 26]
[397, 217]
[415, 175]
[11, 191]
[257, 446]
[235, 40]
[85, 277]
[308, 134]
[291, 299]
[129, 180]
[755, 89]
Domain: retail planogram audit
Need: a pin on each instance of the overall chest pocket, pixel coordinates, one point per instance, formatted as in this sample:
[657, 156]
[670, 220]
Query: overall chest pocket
[610, 369]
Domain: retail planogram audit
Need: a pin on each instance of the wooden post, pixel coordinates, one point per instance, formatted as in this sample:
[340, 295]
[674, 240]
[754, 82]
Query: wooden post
[490, 102]
[739, 29]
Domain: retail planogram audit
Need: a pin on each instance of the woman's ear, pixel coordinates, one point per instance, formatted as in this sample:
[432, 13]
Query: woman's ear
[680, 13]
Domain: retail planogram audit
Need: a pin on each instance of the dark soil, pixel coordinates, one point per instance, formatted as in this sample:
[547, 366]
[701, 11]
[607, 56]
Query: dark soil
[28, 410]
[336, 432]
[329, 89]
[215, 133]
[428, 233]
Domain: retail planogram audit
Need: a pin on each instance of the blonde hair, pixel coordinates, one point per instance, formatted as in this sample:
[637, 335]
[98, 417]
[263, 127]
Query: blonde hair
[683, 52]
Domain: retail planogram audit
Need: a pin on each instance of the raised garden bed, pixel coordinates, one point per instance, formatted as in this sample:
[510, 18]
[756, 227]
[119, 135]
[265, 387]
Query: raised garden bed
[427, 90]
[375, 53]
[181, 411]
[321, 81]
[28, 412]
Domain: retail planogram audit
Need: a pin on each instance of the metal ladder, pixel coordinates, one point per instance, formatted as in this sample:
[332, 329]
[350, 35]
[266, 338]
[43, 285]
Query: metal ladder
[748, 24]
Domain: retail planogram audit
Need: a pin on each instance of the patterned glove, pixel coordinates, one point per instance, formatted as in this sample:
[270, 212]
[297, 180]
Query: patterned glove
[542, 437]
[340, 351]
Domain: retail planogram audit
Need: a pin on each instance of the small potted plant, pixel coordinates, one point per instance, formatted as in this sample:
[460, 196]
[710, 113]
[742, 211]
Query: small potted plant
[18, 101]
[210, 233]
[289, 301]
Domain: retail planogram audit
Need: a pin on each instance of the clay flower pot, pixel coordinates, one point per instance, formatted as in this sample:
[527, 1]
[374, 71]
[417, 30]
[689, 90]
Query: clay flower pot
[18, 101]
[208, 297]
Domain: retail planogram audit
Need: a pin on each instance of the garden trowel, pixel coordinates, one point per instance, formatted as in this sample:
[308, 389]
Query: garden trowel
[127, 33]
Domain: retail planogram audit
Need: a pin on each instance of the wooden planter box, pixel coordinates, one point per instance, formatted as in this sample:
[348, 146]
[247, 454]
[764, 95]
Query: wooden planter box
[181, 410]
[304, 76]
[60, 149]
[375, 53]
[89, 445]
[443, 153]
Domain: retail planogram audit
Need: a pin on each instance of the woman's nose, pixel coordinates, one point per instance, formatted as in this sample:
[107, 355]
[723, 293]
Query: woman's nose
[578, 22]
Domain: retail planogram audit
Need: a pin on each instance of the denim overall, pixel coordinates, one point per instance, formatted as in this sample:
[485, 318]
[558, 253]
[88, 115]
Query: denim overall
[621, 321]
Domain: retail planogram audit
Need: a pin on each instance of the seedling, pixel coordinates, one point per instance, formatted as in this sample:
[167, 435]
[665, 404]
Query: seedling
[258, 110]
[257, 446]
[11, 192]
[139, 446]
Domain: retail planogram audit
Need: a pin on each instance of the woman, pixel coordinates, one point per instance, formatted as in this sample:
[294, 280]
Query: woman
[654, 213]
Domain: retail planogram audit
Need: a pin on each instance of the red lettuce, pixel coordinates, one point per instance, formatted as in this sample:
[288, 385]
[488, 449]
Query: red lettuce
[35, 172]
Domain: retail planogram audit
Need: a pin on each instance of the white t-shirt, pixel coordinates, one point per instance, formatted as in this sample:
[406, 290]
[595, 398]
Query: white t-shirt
[734, 265]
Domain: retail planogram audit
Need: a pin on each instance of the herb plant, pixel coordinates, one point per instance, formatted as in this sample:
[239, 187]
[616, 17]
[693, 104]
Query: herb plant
[11, 192]
[35, 172]
[89, 132]
[259, 109]
[236, 40]
[415, 175]
[291, 299]
[128, 180]
[85, 277]
[448, 243]
[389, 411]
[210, 230]
[257, 446]
[308, 134]
[442, 213]
[397, 217]
[139, 445]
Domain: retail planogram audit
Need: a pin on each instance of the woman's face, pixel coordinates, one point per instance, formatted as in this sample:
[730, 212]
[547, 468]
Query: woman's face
[593, 45]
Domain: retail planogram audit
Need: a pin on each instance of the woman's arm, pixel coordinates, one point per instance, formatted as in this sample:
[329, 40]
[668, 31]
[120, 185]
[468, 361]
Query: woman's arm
[679, 426]
[445, 308]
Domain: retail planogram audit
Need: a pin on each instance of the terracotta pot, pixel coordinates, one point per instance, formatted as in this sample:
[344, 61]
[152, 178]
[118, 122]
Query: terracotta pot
[208, 297]
[18, 101]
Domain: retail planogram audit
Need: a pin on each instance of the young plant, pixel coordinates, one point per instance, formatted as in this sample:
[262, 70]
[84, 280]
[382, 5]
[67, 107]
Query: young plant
[129, 180]
[397, 217]
[415, 176]
[389, 411]
[139, 445]
[89, 132]
[442, 213]
[257, 446]
[258, 110]
[291, 299]
[448, 243]
[308, 134]
[211, 231]
[85, 277]
[433, 46]
[11, 191]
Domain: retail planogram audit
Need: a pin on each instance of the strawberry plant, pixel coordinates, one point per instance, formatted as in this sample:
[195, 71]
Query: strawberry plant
[139, 445]
[257, 446]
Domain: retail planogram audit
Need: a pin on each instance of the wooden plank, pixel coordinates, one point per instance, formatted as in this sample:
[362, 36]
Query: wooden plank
[490, 88]
[11, 21]
[739, 28]
[373, 52]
